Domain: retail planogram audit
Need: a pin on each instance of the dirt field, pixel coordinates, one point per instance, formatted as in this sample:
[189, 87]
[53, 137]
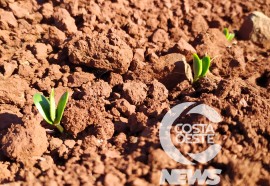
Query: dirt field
[122, 63]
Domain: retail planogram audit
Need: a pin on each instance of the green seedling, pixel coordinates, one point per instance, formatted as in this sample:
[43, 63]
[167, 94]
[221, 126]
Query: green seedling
[47, 108]
[229, 36]
[200, 66]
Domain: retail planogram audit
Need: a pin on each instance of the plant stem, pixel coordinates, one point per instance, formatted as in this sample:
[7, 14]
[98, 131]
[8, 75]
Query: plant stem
[59, 127]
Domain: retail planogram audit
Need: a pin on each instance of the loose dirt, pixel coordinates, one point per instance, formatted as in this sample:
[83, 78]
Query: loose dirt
[124, 64]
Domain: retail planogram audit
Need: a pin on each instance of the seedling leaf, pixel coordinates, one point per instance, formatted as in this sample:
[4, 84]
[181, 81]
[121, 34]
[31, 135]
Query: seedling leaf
[226, 32]
[229, 36]
[205, 65]
[197, 67]
[43, 106]
[61, 107]
[52, 105]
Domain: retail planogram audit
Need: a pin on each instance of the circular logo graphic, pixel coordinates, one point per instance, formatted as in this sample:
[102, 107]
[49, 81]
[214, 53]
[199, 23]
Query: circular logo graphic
[190, 133]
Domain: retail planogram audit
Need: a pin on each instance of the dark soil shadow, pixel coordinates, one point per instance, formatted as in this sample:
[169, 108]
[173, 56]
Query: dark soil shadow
[6, 119]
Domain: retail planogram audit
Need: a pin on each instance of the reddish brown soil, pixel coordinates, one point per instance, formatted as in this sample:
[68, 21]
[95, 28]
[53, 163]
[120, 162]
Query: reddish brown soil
[110, 56]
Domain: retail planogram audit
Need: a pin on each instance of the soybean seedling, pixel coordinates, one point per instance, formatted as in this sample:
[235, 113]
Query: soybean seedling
[47, 108]
[229, 36]
[200, 66]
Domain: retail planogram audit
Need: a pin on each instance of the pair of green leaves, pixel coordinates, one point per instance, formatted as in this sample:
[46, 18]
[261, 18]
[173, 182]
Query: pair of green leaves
[47, 108]
[229, 36]
[200, 66]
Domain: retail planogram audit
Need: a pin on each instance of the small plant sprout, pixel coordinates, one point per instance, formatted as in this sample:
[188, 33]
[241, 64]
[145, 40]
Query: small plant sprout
[200, 66]
[229, 36]
[47, 108]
